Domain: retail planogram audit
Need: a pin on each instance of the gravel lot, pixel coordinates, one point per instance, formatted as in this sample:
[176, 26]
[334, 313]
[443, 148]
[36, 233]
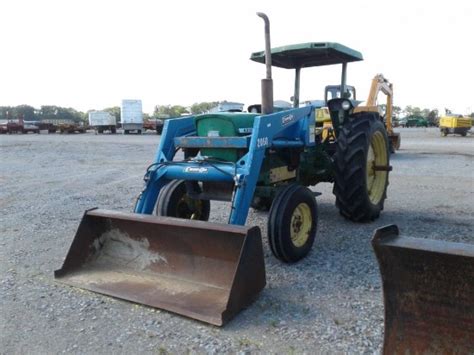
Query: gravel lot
[329, 302]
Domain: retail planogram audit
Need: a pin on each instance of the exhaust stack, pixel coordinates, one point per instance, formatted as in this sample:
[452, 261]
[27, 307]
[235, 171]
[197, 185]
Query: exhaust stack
[267, 83]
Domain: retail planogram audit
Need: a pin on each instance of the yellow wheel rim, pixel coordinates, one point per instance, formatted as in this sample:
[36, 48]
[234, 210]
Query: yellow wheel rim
[189, 208]
[301, 223]
[377, 156]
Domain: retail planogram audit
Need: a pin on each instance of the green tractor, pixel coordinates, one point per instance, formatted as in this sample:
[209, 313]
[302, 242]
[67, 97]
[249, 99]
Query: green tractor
[267, 159]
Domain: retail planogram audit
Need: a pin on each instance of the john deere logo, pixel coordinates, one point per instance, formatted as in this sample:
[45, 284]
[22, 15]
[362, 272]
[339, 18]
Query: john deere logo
[196, 170]
[287, 119]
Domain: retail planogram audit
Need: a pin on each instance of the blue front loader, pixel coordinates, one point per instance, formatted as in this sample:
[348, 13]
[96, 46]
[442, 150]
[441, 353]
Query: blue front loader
[287, 129]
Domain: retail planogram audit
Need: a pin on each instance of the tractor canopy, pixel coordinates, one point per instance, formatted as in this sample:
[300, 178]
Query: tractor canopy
[311, 54]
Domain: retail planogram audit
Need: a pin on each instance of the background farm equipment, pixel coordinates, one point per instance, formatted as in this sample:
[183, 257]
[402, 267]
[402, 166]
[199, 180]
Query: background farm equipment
[102, 121]
[381, 84]
[131, 116]
[72, 127]
[18, 126]
[265, 160]
[455, 124]
[413, 122]
[31, 126]
[153, 124]
[47, 126]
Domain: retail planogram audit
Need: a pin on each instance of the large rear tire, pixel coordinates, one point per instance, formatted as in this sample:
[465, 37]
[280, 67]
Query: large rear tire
[173, 201]
[361, 168]
[292, 223]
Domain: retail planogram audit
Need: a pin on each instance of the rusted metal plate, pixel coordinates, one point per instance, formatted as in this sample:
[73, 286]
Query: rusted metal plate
[428, 294]
[201, 270]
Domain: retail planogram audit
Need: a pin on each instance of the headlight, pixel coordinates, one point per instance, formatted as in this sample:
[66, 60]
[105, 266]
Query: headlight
[346, 105]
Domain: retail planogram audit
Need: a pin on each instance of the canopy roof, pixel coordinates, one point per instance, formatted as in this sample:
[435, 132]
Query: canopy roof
[309, 55]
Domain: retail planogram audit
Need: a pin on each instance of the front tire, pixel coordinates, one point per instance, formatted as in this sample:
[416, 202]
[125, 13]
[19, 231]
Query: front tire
[361, 168]
[173, 201]
[292, 223]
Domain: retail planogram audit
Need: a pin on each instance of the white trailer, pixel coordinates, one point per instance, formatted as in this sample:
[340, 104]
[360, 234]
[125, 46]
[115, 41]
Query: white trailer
[131, 116]
[102, 121]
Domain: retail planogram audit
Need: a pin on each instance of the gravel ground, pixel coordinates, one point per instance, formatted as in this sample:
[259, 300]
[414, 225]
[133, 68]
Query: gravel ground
[329, 302]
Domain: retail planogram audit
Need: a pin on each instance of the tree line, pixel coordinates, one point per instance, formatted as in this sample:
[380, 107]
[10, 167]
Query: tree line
[51, 112]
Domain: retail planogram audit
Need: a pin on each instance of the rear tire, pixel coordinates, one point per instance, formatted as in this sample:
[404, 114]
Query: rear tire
[173, 201]
[292, 223]
[360, 189]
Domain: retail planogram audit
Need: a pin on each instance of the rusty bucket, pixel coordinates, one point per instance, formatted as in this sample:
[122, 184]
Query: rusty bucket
[428, 294]
[201, 270]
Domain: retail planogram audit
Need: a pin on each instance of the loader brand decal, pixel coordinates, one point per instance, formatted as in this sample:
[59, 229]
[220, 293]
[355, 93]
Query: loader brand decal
[197, 170]
[245, 130]
[287, 119]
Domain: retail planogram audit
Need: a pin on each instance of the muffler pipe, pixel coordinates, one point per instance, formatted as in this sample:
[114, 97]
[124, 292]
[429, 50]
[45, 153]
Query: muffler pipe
[267, 83]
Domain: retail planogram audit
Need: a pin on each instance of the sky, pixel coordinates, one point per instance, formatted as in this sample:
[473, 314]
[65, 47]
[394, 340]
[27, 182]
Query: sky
[92, 54]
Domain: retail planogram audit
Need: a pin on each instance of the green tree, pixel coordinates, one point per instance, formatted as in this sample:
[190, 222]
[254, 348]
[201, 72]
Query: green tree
[114, 111]
[25, 112]
[6, 112]
[411, 111]
[168, 111]
[425, 112]
[61, 113]
[202, 107]
[433, 117]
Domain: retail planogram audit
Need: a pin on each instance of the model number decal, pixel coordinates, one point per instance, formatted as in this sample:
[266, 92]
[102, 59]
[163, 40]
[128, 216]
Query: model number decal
[245, 130]
[197, 170]
[262, 142]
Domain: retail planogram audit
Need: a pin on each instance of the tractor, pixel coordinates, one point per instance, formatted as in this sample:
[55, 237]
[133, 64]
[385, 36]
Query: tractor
[268, 160]
[165, 254]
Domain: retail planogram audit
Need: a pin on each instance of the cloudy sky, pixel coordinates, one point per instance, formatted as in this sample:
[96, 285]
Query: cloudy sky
[91, 54]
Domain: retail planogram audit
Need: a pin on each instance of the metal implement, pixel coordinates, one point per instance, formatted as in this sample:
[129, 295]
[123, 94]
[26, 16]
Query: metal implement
[201, 270]
[428, 294]
[381, 84]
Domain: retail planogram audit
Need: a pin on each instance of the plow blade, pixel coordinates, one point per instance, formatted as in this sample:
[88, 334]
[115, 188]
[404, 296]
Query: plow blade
[201, 270]
[428, 294]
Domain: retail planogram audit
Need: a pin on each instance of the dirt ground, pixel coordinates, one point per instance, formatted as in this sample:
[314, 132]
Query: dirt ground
[329, 302]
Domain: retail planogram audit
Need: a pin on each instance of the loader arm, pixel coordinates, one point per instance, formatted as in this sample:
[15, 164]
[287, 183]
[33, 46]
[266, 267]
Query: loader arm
[280, 130]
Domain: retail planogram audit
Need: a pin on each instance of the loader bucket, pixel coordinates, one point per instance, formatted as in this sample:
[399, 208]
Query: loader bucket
[201, 270]
[428, 294]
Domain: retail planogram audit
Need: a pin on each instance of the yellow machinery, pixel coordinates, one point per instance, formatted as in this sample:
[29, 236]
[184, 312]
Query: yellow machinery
[454, 124]
[324, 123]
[381, 84]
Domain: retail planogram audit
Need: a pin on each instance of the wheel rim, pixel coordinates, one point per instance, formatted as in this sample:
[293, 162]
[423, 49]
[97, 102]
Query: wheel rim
[376, 179]
[189, 208]
[301, 223]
